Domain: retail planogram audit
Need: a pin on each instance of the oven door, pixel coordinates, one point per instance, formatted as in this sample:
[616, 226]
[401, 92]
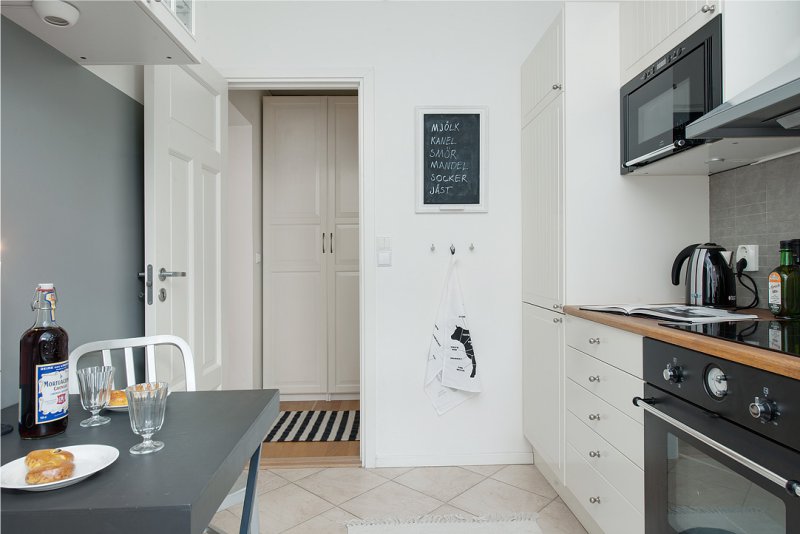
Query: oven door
[693, 487]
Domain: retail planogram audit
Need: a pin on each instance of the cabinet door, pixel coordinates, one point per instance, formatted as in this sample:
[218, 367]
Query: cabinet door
[542, 208]
[342, 255]
[650, 29]
[295, 281]
[543, 72]
[542, 384]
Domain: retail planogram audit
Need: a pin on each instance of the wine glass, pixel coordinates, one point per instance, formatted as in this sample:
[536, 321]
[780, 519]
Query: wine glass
[95, 385]
[146, 406]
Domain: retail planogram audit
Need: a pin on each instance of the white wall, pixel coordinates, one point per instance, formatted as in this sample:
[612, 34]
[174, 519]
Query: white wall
[448, 53]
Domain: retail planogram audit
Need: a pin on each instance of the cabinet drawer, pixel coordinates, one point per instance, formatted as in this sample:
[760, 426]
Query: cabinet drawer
[607, 506]
[617, 428]
[623, 474]
[614, 346]
[607, 382]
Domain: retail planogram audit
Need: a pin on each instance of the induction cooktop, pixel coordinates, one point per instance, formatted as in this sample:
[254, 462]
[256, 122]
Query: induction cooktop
[780, 335]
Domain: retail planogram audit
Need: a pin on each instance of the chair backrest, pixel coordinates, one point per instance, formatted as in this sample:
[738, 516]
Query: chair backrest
[127, 345]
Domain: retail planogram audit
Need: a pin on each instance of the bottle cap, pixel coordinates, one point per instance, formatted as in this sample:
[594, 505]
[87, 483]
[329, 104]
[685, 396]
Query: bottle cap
[785, 245]
[46, 287]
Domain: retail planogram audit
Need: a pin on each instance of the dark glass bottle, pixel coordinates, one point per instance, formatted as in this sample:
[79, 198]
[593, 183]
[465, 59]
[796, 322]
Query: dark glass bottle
[43, 371]
[783, 281]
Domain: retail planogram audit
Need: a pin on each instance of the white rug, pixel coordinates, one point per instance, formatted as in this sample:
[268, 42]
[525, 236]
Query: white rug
[510, 524]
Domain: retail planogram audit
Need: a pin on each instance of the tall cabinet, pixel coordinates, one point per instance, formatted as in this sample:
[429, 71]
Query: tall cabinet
[311, 228]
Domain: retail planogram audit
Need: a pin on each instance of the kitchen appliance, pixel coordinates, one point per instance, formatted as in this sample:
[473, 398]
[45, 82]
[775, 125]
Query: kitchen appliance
[722, 445]
[680, 87]
[710, 280]
[781, 335]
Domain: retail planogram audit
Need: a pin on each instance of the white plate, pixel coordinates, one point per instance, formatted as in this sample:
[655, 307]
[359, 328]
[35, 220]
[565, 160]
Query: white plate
[117, 408]
[89, 459]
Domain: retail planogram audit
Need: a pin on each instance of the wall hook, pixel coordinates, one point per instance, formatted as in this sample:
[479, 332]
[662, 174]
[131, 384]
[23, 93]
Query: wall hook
[471, 247]
[433, 247]
[452, 249]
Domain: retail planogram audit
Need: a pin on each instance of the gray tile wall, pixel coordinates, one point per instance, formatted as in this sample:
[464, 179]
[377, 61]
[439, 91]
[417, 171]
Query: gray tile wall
[757, 205]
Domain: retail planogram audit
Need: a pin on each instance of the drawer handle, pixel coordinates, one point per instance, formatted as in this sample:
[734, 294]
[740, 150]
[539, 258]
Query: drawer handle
[595, 378]
[594, 417]
[594, 454]
[557, 320]
[708, 8]
[594, 341]
[594, 500]
[556, 306]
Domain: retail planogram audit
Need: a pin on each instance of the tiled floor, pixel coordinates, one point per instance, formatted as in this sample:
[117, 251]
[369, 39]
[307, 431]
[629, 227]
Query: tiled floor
[322, 500]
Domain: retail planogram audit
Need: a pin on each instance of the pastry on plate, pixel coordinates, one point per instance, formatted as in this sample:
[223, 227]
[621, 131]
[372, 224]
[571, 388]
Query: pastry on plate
[43, 475]
[48, 465]
[118, 398]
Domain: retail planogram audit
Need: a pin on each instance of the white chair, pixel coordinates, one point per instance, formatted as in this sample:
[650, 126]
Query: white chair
[127, 345]
[150, 343]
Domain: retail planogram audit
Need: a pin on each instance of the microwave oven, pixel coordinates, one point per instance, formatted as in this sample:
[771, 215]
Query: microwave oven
[681, 86]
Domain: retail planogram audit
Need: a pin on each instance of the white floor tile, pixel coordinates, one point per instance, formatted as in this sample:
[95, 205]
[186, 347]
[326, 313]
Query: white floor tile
[287, 507]
[390, 472]
[526, 477]
[556, 518]
[485, 470]
[225, 522]
[493, 497]
[447, 509]
[391, 501]
[293, 475]
[443, 483]
[340, 484]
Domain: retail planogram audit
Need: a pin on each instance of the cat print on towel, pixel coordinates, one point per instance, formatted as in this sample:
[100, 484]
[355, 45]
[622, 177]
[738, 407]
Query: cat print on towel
[462, 336]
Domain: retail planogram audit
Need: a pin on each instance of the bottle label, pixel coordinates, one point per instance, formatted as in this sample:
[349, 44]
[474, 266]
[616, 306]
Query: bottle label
[775, 289]
[52, 392]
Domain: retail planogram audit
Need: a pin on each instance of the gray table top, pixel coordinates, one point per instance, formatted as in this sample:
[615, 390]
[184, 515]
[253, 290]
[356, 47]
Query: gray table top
[208, 437]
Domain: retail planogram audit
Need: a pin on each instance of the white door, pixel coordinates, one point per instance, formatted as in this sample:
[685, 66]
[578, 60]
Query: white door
[185, 141]
[296, 244]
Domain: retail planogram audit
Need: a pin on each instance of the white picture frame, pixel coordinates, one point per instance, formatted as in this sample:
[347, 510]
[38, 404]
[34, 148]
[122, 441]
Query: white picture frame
[456, 168]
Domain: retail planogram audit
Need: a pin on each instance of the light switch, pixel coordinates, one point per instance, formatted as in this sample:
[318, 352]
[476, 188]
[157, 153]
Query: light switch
[383, 246]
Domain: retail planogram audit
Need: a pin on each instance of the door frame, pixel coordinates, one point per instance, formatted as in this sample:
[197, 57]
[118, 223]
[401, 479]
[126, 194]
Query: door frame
[363, 82]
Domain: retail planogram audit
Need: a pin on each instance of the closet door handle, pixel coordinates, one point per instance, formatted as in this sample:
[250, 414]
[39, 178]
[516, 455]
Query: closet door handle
[331, 242]
[323, 242]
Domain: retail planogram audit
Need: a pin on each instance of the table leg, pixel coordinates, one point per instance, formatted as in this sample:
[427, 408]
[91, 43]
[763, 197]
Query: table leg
[248, 516]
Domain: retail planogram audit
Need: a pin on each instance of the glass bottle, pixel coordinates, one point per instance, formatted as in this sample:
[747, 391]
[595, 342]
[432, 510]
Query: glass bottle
[43, 371]
[783, 281]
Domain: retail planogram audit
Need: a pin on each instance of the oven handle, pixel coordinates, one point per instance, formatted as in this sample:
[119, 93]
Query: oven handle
[792, 486]
[657, 152]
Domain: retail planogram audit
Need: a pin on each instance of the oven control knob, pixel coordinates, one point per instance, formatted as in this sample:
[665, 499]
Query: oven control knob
[673, 374]
[762, 409]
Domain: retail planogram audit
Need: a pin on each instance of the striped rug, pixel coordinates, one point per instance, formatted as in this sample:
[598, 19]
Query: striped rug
[311, 425]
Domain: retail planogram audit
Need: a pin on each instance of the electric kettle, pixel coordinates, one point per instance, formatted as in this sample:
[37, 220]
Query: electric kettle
[710, 280]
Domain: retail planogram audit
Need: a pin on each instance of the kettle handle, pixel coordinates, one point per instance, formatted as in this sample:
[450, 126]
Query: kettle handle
[679, 259]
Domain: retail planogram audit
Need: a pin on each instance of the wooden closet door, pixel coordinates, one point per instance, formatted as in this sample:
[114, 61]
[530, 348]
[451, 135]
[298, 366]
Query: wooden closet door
[295, 212]
[343, 276]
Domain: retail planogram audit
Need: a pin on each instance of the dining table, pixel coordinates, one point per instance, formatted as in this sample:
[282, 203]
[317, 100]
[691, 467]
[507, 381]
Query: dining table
[209, 438]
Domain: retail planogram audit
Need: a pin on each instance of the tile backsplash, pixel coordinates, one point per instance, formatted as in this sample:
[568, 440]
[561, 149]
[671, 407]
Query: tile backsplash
[756, 205]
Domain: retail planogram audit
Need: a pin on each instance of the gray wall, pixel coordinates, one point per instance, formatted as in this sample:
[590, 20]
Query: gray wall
[72, 198]
[757, 205]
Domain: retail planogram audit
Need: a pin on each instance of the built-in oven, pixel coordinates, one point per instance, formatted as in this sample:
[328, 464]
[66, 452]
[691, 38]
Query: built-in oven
[721, 445]
[680, 87]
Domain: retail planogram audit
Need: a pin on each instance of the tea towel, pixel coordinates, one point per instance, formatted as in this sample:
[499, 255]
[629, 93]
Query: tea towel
[452, 371]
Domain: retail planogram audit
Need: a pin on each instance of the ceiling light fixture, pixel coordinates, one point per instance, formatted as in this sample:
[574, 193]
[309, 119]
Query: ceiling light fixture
[56, 13]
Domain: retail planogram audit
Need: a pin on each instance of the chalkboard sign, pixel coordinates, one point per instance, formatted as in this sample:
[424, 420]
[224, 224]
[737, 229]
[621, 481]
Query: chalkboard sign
[451, 159]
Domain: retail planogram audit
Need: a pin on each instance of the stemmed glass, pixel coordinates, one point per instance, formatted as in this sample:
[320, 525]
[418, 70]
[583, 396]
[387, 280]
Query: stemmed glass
[146, 406]
[95, 385]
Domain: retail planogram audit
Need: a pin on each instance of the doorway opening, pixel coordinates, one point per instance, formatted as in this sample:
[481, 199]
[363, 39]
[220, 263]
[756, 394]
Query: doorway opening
[306, 184]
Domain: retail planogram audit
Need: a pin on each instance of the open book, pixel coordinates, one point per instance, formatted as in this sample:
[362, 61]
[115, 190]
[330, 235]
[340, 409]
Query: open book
[674, 312]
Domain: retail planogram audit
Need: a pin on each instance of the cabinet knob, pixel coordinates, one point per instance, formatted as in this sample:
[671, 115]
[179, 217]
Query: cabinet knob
[595, 378]
[708, 8]
[594, 417]
[594, 341]
[557, 319]
[594, 500]
[557, 86]
[556, 306]
[594, 454]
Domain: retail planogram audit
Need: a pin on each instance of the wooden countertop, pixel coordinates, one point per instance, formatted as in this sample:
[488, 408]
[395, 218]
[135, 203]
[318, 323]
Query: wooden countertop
[767, 360]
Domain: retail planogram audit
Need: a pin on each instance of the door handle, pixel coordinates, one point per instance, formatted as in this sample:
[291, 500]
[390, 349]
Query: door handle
[331, 242]
[148, 282]
[163, 274]
[323, 242]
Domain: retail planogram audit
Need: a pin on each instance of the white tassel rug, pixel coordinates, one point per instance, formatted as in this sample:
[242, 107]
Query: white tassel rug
[510, 524]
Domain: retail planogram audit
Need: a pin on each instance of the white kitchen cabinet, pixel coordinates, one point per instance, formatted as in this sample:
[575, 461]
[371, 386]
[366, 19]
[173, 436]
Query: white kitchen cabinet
[651, 28]
[123, 32]
[542, 357]
[311, 228]
[542, 194]
[543, 71]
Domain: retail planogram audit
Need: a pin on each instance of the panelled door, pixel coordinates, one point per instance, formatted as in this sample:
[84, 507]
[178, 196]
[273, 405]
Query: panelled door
[311, 279]
[185, 140]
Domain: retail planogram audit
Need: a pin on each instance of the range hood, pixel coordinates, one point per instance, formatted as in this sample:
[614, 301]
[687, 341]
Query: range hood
[770, 108]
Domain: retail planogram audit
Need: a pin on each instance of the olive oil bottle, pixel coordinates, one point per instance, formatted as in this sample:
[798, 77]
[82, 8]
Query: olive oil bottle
[784, 285]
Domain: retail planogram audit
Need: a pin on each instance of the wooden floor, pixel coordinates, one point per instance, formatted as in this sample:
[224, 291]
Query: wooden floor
[317, 454]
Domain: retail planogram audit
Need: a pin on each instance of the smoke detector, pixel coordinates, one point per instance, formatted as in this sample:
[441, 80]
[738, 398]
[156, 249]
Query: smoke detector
[56, 12]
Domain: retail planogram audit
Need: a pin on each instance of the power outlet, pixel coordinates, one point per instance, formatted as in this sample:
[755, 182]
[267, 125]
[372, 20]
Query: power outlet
[750, 253]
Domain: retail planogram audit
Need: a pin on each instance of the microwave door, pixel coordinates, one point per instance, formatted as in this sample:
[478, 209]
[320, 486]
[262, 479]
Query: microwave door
[659, 110]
